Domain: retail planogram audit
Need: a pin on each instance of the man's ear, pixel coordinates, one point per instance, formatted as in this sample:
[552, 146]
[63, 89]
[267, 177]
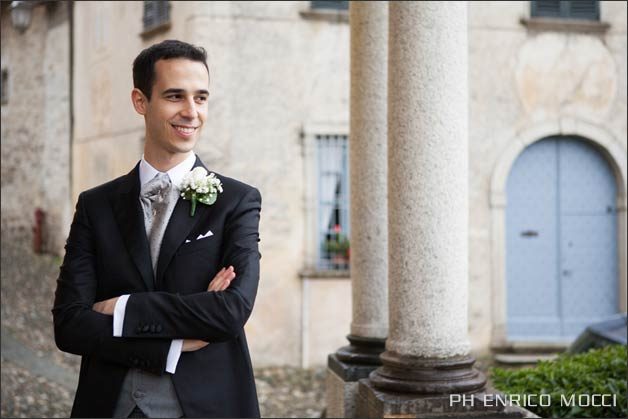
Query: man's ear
[140, 102]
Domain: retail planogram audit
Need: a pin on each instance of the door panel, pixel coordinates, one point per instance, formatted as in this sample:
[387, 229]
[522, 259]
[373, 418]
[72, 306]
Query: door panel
[533, 308]
[561, 238]
[588, 230]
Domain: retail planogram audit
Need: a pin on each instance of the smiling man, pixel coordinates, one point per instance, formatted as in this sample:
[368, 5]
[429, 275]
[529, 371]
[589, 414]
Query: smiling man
[152, 295]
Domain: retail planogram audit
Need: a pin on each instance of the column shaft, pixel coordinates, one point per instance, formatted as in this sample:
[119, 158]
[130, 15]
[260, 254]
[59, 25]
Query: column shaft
[367, 162]
[369, 208]
[427, 350]
[428, 211]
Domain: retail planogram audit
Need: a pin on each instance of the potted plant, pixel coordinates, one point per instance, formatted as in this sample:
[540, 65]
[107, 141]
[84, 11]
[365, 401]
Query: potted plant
[337, 246]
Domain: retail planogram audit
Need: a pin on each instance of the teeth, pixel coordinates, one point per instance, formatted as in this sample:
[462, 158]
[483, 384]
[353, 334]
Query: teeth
[184, 130]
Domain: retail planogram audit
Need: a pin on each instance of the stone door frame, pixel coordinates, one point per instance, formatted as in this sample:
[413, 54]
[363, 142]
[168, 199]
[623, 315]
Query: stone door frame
[609, 146]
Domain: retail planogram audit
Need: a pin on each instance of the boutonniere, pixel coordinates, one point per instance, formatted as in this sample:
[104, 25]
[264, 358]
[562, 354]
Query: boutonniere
[198, 186]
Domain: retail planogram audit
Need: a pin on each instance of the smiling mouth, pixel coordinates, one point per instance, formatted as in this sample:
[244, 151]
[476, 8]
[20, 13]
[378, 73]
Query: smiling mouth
[183, 129]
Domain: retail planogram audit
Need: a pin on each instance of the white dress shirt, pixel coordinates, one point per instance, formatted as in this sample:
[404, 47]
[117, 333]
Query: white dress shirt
[147, 172]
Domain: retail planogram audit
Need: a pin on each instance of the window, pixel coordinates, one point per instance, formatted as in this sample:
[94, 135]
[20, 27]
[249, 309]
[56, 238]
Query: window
[337, 5]
[4, 89]
[156, 15]
[333, 202]
[580, 9]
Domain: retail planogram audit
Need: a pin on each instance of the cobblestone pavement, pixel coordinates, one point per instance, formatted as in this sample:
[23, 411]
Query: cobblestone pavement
[36, 378]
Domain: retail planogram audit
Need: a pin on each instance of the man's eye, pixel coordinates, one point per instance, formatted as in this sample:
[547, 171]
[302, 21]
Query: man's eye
[173, 97]
[202, 98]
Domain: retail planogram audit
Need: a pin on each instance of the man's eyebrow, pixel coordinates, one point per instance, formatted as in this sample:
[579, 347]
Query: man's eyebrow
[179, 91]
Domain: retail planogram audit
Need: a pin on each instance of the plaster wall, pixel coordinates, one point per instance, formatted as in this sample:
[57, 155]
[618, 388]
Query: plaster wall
[521, 79]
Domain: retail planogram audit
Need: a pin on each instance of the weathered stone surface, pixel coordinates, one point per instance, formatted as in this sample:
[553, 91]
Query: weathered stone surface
[36, 127]
[368, 168]
[373, 403]
[428, 209]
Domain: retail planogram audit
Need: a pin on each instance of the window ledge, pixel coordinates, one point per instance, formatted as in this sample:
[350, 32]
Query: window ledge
[564, 25]
[329, 15]
[325, 274]
[162, 27]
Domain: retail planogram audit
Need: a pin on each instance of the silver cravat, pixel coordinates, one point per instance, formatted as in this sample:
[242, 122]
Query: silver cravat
[158, 197]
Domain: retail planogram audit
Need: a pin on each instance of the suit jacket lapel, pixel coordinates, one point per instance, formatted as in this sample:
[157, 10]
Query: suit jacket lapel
[130, 217]
[178, 228]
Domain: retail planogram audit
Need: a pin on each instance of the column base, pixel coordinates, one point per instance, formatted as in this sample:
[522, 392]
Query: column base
[344, 368]
[375, 403]
[362, 350]
[410, 374]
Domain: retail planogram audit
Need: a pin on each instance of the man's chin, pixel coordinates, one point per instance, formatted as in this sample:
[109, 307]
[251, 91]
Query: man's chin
[182, 147]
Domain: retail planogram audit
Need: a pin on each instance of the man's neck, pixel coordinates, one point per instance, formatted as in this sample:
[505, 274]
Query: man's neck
[164, 161]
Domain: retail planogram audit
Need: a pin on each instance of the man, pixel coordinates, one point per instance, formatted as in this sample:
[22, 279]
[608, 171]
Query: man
[152, 297]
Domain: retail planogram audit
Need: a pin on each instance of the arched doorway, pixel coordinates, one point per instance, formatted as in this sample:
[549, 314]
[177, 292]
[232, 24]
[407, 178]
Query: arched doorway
[561, 240]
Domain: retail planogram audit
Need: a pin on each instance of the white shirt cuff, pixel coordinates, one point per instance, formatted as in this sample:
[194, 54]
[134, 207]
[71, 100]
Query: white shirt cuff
[173, 355]
[118, 315]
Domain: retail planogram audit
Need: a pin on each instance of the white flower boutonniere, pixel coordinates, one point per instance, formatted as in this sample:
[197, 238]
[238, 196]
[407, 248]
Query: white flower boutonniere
[197, 186]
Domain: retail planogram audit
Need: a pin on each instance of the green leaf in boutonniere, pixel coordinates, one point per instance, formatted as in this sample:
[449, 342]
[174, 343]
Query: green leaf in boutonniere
[198, 186]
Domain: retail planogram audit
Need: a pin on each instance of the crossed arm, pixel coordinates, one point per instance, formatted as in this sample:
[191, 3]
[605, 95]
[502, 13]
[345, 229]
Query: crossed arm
[82, 328]
[220, 282]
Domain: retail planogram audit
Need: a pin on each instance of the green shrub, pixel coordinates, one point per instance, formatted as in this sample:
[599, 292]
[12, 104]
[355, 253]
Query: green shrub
[599, 371]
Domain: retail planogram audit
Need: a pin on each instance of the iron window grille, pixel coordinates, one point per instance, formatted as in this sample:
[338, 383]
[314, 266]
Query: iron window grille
[579, 9]
[156, 14]
[333, 202]
[4, 88]
[329, 4]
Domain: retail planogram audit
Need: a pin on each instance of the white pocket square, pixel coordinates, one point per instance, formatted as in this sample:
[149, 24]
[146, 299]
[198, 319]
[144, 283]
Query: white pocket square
[202, 236]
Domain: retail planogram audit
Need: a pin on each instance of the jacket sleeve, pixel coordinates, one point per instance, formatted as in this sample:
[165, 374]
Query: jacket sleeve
[211, 316]
[79, 329]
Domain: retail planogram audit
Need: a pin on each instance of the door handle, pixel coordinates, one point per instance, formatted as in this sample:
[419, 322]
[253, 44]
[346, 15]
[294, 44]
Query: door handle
[529, 233]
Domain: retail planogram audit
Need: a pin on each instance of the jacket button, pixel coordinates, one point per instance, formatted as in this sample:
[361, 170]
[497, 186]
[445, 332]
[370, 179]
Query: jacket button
[145, 328]
[138, 330]
[152, 328]
[158, 328]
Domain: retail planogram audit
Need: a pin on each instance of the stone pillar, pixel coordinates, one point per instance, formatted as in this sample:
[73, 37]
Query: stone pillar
[369, 245]
[427, 353]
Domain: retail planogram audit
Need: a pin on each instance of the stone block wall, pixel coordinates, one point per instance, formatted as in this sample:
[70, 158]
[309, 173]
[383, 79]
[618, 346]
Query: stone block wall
[36, 127]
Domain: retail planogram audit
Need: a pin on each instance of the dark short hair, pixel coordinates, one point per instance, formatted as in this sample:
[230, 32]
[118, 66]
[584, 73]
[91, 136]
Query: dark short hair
[144, 63]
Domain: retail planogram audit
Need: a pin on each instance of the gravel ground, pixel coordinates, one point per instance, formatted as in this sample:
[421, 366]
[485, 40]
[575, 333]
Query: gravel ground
[25, 395]
[27, 293]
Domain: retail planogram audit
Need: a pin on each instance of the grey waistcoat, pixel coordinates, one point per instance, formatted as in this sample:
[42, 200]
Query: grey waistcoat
[154, 394]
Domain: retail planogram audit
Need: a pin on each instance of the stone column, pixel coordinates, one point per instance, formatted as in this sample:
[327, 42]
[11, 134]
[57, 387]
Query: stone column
[427, 353]
[369, 251]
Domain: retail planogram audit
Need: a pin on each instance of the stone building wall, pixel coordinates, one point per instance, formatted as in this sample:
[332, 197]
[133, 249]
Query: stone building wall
[522, 80]
[279, 76]
[36, 127]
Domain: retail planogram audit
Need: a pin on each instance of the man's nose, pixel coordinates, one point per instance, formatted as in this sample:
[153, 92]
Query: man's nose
[189, 109]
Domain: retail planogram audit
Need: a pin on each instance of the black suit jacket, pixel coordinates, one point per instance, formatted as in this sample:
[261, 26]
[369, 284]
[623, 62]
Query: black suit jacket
[107, 255]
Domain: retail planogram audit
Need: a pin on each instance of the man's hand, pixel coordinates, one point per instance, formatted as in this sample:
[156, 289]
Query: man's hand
[191, 345]
[222, 280]
[106, 306]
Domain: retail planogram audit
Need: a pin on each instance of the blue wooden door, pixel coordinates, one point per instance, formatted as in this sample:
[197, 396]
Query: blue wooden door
[561, 241]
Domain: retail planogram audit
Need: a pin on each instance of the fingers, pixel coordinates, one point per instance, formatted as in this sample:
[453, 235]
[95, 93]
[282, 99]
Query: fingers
[222, 280]
[191, 345]
[225, 279]
[215, 283]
